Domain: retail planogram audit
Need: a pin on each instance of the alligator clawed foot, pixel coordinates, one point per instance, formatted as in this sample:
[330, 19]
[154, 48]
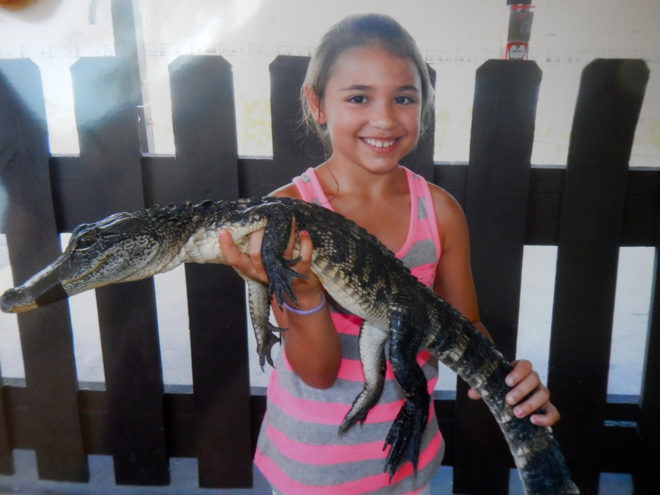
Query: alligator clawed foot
[361, 407]
[264, 348]
[353, 417]
[280, 280]
[405, 437]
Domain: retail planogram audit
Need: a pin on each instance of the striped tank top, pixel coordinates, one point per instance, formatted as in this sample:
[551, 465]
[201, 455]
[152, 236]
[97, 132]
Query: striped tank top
[299, 450]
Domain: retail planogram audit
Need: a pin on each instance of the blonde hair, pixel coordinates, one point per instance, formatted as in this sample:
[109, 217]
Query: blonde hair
[356, 31]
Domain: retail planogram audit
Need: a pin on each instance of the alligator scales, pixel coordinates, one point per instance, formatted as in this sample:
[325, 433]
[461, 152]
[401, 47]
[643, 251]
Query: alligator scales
[356, 270]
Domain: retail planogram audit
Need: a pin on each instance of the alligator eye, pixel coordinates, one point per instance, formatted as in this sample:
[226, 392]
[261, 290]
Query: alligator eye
[85, 242]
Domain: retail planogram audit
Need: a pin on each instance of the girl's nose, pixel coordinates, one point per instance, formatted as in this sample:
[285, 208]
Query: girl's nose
[383, 117]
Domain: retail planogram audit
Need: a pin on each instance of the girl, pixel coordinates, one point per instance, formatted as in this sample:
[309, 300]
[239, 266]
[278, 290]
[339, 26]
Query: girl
[367, 93]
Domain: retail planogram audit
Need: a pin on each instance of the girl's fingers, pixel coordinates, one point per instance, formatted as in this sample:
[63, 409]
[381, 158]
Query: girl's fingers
[254, 254]
[548, 417]
[306, 249]
[521, 369]
[249, 262]
[530, 384]
[229, 250]
[473, 394]
[288, 254]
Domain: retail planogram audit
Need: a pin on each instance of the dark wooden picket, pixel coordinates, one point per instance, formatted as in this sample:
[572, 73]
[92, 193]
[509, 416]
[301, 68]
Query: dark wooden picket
[595, 189]
[588, 209]
[110, 156]
[646, 461]
[32, 240]
[204, 123]
[496, 206]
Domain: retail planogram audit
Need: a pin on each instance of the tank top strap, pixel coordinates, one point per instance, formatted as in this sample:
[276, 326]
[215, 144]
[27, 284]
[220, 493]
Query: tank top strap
[423, 221]
[310, 189]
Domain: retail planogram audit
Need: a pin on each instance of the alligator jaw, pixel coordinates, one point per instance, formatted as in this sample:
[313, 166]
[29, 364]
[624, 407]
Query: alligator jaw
[42, 289]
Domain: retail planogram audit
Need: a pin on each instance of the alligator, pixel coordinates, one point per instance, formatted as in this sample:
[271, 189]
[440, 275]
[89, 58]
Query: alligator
[356, 270]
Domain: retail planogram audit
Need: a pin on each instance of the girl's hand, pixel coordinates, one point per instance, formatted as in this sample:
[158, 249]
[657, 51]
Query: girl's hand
[250, 263]
[528, 395]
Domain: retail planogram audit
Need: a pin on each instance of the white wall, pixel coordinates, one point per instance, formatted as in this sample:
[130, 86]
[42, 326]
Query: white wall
[455, 37]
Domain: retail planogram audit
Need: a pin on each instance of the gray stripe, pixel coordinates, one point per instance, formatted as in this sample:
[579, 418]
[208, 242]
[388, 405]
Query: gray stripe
[349, 346]
[343, 391]
[420, 253]
[320, 434]
[327, 475]
[415, 482]
[422, 213]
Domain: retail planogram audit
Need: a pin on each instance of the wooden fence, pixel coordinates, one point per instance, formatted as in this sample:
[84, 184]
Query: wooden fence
[588, 208]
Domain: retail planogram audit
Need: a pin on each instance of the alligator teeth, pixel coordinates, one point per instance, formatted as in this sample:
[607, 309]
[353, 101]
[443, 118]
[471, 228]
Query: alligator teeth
[379, 143]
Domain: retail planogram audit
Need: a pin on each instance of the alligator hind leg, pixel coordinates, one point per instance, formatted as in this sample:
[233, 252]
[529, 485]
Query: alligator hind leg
[264, 331]
[405, 435]
[372, 355]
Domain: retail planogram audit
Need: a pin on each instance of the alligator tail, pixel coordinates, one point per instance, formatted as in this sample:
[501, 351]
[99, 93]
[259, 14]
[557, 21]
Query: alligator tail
[460, 346]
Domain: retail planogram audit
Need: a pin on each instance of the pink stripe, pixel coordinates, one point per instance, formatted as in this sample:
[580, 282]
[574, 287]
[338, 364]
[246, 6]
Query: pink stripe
[351, 369]
[346, 324]
[326, 412]
[324, 454]
[329, 413]
[282, 482]
[412, 220]
[431, 219]
[425, 273]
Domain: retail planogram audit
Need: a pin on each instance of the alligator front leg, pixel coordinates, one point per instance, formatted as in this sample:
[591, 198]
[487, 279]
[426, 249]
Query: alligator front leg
[372, 355]
[405, 435]
[276, 238]
[264, 331]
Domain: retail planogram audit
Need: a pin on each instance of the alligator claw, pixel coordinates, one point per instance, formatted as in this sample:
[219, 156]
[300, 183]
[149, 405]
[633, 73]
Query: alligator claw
[355, 415]
[279, 283]
[266, 345]
[293, 261]
[405, 437]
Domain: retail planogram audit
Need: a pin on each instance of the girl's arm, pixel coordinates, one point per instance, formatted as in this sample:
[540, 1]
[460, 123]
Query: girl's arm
[454, 284]
[311, 342]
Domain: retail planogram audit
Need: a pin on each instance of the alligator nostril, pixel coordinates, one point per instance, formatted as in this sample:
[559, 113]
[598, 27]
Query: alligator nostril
[9, 300]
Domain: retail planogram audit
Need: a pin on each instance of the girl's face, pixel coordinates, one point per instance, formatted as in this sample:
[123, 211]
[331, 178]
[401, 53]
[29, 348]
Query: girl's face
[372, 107]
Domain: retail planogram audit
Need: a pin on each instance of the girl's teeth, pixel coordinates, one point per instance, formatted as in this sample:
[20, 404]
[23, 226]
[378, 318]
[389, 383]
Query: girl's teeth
[379, 143]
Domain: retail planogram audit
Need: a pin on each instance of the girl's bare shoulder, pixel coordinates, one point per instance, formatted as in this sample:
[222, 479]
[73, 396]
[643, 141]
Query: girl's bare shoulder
[287, 191]
[448, 210]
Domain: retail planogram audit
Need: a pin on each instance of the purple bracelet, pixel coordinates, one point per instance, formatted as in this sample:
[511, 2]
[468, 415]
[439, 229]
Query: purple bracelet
[306, 312]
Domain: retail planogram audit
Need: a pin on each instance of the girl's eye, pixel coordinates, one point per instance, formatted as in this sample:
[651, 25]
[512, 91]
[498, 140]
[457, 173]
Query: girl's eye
[404, 100]
[358, 99]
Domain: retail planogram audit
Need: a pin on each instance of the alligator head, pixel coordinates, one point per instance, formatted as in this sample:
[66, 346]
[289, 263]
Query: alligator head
[119, 248]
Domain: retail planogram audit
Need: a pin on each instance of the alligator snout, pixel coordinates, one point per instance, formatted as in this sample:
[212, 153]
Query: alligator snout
[16, 301]
[27, 297]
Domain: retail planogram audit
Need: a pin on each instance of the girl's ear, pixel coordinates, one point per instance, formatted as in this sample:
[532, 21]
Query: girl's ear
[314, 103]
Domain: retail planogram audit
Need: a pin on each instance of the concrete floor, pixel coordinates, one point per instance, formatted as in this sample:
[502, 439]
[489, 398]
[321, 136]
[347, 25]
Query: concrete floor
[184, 481]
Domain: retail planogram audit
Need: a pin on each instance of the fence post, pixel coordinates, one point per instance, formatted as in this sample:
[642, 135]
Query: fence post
[608, 105]
[502, 134]
[111, 180]
[206, 152]
[6, 460]
[293, 149]
[32, 238]
[646, 475]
